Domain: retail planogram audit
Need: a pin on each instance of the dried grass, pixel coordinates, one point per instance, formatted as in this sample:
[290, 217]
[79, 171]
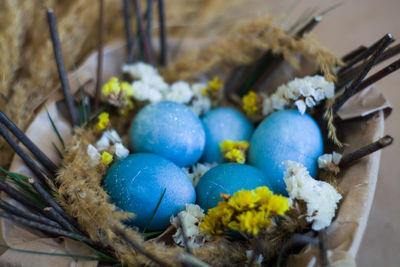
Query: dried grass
[246, 44]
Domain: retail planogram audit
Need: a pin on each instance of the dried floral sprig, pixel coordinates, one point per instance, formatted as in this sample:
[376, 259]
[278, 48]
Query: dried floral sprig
[246, 211]
[163, 34]
[234, 151]
[128, 30]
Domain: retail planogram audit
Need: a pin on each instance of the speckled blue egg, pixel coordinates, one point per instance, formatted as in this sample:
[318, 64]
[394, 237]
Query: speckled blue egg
[222, 124]
[137, 182]
[227, 178]
[168, 129]
[285, 135]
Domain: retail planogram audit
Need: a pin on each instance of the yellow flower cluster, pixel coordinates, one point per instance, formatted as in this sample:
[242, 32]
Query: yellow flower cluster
[234, 151]
[246, 211]
[119, 94]
[213, 86]
[103, 121]
[250, 103]
[106, 157]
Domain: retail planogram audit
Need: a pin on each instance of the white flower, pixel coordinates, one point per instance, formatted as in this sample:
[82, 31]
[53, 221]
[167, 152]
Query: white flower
[191, 218]
[198, 170]
[113, 136]
[121, 151]
[179, 92]
[200, 105]
[94, 155]
[156, 82]
[303, 92]
[197, 88]
[301, 106]
[139, 70]
[144, 92]
[267, 106]
[103, 143]
[310, 102]
[321, 198]
[325, 159]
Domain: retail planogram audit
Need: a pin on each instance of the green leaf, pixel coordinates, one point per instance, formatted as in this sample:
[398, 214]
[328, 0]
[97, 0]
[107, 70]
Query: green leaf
[151, 234]
[57, 150]
[155, 210]
[52, 254]
[55, 129]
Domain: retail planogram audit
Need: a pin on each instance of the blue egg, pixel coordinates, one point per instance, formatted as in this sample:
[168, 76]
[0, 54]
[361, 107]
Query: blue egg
[168, 129]
[137, 182]
[285, 135]
[222, 124]
[227, 178]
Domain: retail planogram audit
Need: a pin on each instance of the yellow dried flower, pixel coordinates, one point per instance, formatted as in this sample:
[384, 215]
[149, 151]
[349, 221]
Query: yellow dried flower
[111, 87]
[247, 211]
[215, 84]
[104, 119]
[127, 89]
[106, 157]
[250, 103]
[234, 151]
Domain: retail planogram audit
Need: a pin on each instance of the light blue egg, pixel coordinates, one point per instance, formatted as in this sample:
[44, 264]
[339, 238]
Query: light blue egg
[285, 135]
[168, 129]
[137, 182]
[227, 178]
[222, 124]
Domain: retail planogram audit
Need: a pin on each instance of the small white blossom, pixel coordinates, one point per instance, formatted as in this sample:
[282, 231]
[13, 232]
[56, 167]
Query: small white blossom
[325, 159]
[200, 105]
[198, 88]
[321, 198]
[310, 102]
[121, 151]
[139, 70]
[258, 260]
[113, 136]
[198, 170]
[301, 106]
[144, 92]
[179, 92]
[103, 143]
[94, 155]
[191, 218]
[310, 90]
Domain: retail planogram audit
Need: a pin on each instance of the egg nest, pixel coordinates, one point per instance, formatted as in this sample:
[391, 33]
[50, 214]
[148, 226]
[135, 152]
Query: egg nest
[81, 193]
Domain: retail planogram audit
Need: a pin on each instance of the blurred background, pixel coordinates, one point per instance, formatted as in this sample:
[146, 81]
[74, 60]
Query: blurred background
[28, 72]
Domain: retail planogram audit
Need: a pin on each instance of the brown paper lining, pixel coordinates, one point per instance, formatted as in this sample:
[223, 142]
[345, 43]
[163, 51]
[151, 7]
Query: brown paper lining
[344, 235]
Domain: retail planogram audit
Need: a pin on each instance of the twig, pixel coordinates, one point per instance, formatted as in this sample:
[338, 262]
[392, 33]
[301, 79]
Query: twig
[350, 91]
[379, 75]
[354, 53]
[139, 248]
[32, 165]
[185, 238]
[99, 55]
[323, 249]
[128, 30]
[370, 50]
[366, 150]
[149, 26]
[163, 33]
[16, 195]
[64, 219]
[51, 18]
[308, 27]
[41, 157]
[46, 228]
[28, 215]
[143, 37]
[348, 75]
